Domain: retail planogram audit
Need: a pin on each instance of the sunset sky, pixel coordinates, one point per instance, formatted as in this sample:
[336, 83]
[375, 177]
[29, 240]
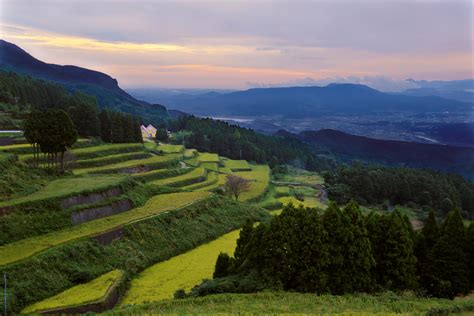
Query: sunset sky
[242, 44]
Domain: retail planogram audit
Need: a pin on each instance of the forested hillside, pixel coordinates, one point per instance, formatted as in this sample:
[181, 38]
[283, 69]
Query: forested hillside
[20, 95]
[426, 189]
[103, 87]
[240, 143]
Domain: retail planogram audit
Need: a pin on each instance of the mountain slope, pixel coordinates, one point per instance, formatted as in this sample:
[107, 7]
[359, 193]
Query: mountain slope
[390, 152]
[102, 86]
[297, 102]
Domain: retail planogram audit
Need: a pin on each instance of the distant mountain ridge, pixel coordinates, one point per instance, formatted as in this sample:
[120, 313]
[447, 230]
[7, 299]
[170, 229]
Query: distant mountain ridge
[297, 102]
[103, 86]
[391, 152]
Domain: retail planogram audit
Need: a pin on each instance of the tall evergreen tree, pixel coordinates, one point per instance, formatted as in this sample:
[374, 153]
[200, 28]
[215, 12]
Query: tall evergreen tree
[105, 126]
[447, 262]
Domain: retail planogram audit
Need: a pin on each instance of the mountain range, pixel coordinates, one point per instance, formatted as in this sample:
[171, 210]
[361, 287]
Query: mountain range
[301, 102]
[102, 86]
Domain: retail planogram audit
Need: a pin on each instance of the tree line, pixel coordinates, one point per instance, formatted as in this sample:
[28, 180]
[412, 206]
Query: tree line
[39, 95]
[235, 142]
[375, 184]
[342, 251]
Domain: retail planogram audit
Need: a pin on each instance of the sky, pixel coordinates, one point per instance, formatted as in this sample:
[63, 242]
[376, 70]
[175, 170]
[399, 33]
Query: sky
[240, 44]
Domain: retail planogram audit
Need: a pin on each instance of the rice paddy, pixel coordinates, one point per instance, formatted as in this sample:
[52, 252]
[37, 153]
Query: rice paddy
[194, 176]
[208, 157]
[25, 248]
[83, 294]
[160, 281]
[154, 162]
[237, 165]
[67, 187]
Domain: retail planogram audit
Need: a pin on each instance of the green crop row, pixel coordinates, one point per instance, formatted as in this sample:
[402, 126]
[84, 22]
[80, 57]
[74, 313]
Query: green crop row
[196, 175]
[106, 160]
[154, 162]
[210, 180]
[237, 165]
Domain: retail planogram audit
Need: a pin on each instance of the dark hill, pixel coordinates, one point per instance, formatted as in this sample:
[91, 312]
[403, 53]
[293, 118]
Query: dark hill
[300, 102]
[390, 152]
[102, 86]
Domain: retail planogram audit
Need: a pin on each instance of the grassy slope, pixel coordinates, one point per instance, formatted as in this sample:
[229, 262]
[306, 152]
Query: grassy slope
[286, 303]
[82, 294]
[67, 187]
[155, 161]
[237, 165]
[184, 179]
[162, 203]
[184, 271]
[208, 157]
[144, 243]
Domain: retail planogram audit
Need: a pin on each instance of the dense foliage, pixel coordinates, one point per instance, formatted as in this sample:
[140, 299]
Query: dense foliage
[375, 184]
[341, 251]
[51, 132]
[22, 94]
[240, 143]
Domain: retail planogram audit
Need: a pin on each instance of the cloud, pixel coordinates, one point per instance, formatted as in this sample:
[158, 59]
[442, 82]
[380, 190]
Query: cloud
[236, 44]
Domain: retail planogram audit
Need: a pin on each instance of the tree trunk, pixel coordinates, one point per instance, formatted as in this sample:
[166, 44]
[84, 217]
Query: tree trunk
[62, 161]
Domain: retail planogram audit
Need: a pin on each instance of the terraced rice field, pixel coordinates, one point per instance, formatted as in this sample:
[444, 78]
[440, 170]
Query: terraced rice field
[162, 203]
[110, 159]
[160, 281]
[68, 187]
[208, 157]
[196, 175]
[259, 177]
[92, 292]
[209, 182]
[308, 202]
[237, 165]
[282, 191]
[151, 162]
[210, 166]
[190, 153]
[97, 151]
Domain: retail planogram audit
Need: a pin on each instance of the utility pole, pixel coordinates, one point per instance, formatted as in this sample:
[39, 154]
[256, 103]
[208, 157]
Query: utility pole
[5, 292]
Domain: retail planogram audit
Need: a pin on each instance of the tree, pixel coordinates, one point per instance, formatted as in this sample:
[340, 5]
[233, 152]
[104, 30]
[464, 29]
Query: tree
[447, 269]
[392, 246]
[57, 134]
[425, 242]
[223, 264]
[161, 134]
[446, 206]
[32, 133]
[105, 126]
[236, 185]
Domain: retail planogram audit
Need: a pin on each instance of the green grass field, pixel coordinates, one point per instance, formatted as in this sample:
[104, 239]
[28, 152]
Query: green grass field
[210, 166]
[155, 162]
[210, 180]
[185, 179]
[97, 151]
[308, 202]
[282, 191]
[190, 153]
[88, 293]
[110, 159]
[181, 272]
[161, 203]
[208, 157]
[302, 176]
[270, 303]
[237, 165]
[260, 178]
[68, 187]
